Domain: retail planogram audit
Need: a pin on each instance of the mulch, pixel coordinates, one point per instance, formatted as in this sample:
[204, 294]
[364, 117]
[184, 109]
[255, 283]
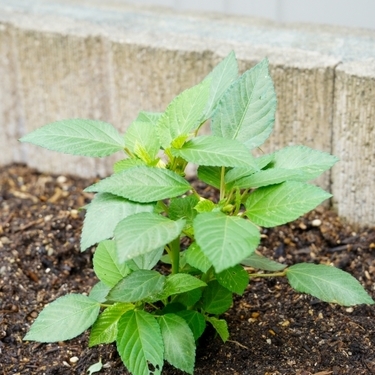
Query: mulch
[274, 330]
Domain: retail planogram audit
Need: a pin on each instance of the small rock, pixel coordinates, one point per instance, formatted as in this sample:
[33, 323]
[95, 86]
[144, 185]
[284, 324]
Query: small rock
[73, 359]
[61, 180]
[349, 309]
[302, 226]
[74, 214]
[5, 240]
[316, 223]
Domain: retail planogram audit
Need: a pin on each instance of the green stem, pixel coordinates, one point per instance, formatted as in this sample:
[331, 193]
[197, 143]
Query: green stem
[275, 274]
[105, 305]
[222, 183]
[174, 247]
[229, 197]
[206, 277]
[165, 207]
[195, 193]
[128, 152]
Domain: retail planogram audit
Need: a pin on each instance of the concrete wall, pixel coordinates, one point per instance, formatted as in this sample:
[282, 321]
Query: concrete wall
[64, 59]
[359, 13]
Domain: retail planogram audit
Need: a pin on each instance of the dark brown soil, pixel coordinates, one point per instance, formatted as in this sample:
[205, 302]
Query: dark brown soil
[273, 329]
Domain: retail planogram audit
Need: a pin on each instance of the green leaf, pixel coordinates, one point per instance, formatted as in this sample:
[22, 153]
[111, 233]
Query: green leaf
[141, 233]
[216, 151]
[77, 137]
[204, 205]
[225, 240]
[278, 204]
[172, 308]
[179, 343]
[140, 343]
[237, 173]
[220, 78]
[234, 279]
[99, 292]
[268, 177]
[220, 326]
[146, 261]
[190, 298]
[311, 162]
[247, 109]
[143, 184]
[106, 265]
[195, 321]
[103, 214]
[141, 139]
[196, 258]
[63, 319]
[151, 117]
[262, 263]
[138, 286]
[183, 208]
[104, 330]
[96, 367]
[265, 160]
[327, 283]
[123, 164]
[216, 299]
[180, 283]
[210, 175]
[184, 114]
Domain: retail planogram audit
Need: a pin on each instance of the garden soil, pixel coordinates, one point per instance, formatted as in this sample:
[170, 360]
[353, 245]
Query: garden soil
[274, 330]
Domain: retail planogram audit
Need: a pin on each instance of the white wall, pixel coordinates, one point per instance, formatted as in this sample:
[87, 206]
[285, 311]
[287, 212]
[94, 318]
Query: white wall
[352, 13]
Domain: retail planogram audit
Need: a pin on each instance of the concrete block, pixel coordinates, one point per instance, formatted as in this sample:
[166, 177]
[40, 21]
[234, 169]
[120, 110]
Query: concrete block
[353, 178]
[10, 117]
[60, 76]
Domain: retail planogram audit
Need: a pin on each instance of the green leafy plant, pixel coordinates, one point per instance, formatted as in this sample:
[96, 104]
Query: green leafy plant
[147, 212]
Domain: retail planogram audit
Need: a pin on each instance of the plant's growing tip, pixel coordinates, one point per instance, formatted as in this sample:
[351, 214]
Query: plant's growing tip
[142, 214]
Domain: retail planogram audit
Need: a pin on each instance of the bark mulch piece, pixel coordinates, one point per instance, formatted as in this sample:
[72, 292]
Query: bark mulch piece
[274, 330]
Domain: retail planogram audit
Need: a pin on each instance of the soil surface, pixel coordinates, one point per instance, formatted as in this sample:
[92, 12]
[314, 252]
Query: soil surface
[273, 329]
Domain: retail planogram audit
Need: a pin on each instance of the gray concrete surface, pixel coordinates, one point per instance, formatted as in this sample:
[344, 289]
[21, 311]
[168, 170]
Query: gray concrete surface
[64, 59]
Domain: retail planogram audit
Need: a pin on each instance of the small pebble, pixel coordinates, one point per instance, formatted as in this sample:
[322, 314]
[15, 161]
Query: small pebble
[61, 180]
[302, 226]
[74, 213]
[316, 223]
[73, 359]
[349, 309]
[5, 240]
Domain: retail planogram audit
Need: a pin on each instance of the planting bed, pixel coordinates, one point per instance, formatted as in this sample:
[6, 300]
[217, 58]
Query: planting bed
[273, 329]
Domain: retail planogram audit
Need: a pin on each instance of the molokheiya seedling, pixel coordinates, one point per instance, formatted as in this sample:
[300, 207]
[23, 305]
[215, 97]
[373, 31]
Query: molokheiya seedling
[141, 213]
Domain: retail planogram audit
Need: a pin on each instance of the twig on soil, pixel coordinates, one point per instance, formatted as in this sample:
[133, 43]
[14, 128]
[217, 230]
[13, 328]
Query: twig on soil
[340, 248]
[239, 344]
[30, 224]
